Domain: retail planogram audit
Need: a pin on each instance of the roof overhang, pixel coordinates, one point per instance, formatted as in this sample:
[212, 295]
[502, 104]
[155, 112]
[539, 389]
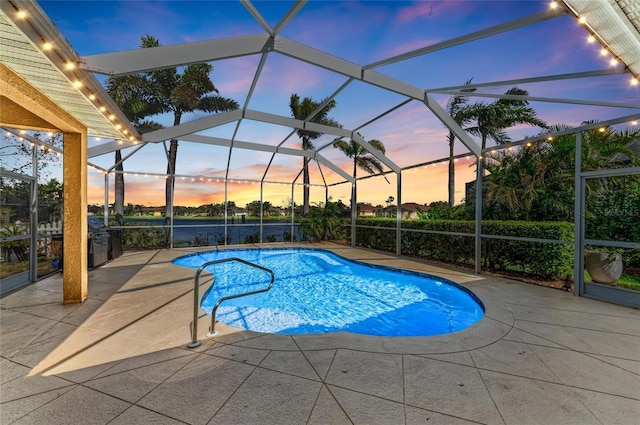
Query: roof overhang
[32, 47]
[615, 24]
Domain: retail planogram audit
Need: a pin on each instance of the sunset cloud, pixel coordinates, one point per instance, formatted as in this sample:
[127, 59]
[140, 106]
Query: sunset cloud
[359, 32]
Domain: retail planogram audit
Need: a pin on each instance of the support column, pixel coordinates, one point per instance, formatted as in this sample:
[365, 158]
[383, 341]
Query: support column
[106, 199]
[293, 209]
[354, 213]
[478, 230]
[75, 274]
[399, 215]
[261, 209]
[33, 217]
[578, 221]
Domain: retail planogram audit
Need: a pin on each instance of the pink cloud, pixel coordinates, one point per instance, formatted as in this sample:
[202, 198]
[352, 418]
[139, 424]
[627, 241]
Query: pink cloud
[430, 9]
[234, 77]
[409, 46]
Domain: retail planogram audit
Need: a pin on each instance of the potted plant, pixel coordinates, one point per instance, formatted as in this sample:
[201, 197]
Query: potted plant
[605, 265]
[55, 253]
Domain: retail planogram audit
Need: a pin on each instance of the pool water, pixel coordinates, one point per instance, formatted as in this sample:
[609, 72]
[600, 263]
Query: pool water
[316, 291]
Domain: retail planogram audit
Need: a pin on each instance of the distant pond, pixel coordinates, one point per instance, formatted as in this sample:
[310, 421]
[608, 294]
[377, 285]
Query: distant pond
[201, 232]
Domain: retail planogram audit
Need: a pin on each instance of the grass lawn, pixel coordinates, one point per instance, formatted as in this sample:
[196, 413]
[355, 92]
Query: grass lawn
[9, 269]
[626, 281]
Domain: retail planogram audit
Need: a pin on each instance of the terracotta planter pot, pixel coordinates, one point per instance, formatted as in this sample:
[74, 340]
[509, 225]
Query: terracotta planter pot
[603, 267]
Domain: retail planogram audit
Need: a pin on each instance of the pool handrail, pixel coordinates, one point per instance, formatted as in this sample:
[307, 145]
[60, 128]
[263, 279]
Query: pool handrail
[195, 342]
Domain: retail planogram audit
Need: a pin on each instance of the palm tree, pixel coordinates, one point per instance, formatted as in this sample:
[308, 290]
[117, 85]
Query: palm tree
[537, 182]
[492, 119]
[302, 110]
[362, 158]
[456, 107]
[179, 94]
[130, 94]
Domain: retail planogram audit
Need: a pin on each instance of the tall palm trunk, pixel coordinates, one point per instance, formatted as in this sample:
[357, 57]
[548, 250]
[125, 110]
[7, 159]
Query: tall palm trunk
[305, 190]
[118, 203]
[171, 183]
[306, 144]
[452, 170]
[354, 195]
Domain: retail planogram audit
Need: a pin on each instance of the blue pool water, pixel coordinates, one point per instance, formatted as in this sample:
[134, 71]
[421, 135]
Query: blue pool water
[316, 291]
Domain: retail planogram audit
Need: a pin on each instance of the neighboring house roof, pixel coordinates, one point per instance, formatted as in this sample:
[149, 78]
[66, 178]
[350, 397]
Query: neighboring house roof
[364, 207]
[412, 206]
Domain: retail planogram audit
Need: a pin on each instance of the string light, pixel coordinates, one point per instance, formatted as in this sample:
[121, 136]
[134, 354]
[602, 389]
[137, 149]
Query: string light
[21, 14]
[634, 81]
[582, 20]
[553, 5]
[604, 52]
[77, 84]
[591, 39]
[112, 117]
[102, 109]
[70, 65]
[46, 46]
[92, 96]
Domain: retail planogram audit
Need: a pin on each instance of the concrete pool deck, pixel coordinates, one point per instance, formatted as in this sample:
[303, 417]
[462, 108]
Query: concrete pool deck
[540, 356]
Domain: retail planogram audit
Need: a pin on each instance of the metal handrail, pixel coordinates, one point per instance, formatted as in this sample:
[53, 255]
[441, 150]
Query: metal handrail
[195, 342]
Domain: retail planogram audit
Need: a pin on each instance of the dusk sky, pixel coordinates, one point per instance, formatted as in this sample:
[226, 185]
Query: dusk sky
[362, 32]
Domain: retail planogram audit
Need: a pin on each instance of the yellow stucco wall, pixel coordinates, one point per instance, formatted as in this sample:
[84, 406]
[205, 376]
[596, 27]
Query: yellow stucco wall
[75, 218]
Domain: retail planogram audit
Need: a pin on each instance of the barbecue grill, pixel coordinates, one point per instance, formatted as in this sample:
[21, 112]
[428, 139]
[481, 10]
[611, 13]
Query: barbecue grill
[98, 242]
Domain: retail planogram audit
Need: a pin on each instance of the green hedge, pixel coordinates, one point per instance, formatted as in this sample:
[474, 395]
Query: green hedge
[543, 260]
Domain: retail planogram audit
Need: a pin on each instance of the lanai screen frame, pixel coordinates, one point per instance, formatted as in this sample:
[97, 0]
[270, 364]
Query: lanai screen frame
[139, 60]
[271, 42]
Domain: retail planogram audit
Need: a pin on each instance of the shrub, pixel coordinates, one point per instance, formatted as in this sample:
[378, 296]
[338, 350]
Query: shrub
[147, 238]
[544, 260]
[252, 238]
[19, 247]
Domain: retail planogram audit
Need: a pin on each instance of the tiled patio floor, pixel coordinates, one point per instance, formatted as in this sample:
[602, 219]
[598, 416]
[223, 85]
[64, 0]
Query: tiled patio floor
[540, 356]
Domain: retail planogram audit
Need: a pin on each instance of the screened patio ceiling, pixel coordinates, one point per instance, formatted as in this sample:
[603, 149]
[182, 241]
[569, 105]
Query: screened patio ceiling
[35, 48]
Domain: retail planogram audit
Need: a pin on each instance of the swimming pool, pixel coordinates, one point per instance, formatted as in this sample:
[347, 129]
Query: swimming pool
[316, 291]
